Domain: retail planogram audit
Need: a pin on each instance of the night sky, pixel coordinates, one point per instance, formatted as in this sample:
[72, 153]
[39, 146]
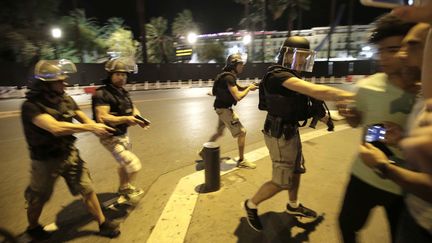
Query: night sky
[213, 15]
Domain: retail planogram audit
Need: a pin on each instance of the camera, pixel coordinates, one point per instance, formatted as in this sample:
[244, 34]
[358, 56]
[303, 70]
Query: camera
[374, 133]
[390, 3]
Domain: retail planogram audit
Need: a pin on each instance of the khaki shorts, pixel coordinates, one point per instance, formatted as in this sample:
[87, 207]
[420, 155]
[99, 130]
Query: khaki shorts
[45, 173]
[229, 119]
[287, 158]
[120, 148]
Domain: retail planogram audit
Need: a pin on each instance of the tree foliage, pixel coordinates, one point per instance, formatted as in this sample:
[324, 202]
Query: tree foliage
[183, 24]
[214, 51]
[160, 47]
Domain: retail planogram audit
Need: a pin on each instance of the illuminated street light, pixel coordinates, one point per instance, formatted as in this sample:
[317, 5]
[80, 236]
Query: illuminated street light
[247, 39]
[56, 33]
[192, 38]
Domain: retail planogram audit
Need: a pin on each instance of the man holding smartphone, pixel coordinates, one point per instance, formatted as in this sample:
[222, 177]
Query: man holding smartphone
[387, 98]
[415, 223]
[112, 106]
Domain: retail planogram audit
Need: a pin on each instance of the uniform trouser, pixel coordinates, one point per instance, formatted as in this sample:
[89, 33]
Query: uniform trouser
[360, 199]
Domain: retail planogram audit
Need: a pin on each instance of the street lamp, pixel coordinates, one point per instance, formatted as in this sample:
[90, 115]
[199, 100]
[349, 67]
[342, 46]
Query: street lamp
[56, 33]
[247, 39]
[192, 38]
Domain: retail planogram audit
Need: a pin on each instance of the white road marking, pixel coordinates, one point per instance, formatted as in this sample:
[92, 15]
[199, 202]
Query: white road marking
[174, 221]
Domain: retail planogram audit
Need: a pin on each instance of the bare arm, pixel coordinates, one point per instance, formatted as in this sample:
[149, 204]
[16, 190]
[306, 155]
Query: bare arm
[320, 92]
[59, 128]
[418, 183]
[82, 117]
[239, 94]
[103, 115]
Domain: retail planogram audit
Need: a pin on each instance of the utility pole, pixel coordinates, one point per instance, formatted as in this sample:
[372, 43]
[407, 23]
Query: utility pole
[264, 25]
[332, 19]
[350, 21]
[140, 5]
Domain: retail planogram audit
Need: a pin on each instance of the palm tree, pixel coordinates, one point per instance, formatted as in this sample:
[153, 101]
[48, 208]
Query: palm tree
[183, 24]
[87, 39]
[160, 46]
[294, 9]
[140, 6]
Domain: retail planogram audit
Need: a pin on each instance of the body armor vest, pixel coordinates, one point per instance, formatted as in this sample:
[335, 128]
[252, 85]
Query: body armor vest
[51, 146]
[221, 91]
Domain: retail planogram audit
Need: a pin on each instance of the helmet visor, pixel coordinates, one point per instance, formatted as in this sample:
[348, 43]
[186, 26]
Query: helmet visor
[299, 59]
[54, 70]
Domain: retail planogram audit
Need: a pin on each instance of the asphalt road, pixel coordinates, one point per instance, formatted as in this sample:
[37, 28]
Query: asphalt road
[182, 120]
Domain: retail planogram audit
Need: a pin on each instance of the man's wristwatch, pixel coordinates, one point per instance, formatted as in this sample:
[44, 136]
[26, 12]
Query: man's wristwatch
[382, 169]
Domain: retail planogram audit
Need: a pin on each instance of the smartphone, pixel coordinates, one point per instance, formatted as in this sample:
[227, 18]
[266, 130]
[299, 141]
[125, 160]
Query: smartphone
[374, 133]
[146, 121]
[390, 3]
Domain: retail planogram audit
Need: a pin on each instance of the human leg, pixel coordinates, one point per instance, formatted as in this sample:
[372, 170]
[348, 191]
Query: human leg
[78, 179]
[37, 194]
[129, 163]
[355, 210]
[394, 207]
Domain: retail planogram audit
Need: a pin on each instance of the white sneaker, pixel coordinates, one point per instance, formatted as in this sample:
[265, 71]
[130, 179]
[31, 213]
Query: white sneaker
[246, 164]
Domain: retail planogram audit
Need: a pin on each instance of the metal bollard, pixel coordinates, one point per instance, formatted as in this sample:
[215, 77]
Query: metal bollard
[211, 166]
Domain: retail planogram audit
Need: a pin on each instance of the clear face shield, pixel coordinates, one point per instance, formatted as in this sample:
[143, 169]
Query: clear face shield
[298, 59]
[54, 70]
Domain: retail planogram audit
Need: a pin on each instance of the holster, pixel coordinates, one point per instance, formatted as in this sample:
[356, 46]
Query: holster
[276, 127]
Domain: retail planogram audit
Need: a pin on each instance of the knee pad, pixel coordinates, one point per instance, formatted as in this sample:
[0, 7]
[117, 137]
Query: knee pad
[132, 163]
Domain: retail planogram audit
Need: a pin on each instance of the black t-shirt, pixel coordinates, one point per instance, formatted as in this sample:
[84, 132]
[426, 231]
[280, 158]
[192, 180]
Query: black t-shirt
[274, 81]
[119, 102]
[224, 98]
[43, 144]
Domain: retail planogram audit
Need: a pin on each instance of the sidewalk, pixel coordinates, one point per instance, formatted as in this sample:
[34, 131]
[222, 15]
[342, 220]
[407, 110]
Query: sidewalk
[219, 217]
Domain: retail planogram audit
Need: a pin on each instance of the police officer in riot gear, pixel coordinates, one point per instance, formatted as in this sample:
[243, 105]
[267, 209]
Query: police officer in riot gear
[112, 106]
[285, 97]
[47, 116]
[228, 93]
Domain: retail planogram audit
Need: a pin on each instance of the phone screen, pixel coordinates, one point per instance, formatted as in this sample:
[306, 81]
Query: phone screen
[375, 133]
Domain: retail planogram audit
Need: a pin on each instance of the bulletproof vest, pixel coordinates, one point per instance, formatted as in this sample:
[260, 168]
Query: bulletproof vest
[53, 146]
[122, 105]
[292, 108]
[220, 90]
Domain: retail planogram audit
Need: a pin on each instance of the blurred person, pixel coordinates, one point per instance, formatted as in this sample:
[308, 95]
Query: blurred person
[285, 97]
[113, 106]
[228, 92]
[386, 97]
[47, 116]
[416, 179]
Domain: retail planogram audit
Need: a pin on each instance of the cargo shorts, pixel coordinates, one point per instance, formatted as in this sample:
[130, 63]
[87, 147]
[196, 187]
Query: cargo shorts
[44, 174]
[229, 119]
[287, 158]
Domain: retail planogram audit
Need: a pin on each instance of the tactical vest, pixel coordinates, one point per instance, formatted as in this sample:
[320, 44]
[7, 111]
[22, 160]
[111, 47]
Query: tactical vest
[222, 93]
[122, 106]
[53, 146]
[292, 108]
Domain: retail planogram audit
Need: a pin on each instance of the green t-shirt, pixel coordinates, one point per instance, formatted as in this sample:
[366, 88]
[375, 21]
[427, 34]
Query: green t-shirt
[378, 100]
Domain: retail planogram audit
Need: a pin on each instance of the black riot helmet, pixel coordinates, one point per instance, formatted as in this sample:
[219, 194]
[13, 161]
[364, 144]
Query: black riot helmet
[231, 62]
[295, 54]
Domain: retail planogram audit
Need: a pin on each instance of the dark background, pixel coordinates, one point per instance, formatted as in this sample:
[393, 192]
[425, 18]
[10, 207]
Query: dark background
[214, 15]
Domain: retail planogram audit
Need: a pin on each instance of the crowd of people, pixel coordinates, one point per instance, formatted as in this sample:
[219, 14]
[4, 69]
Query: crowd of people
[395, 172]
